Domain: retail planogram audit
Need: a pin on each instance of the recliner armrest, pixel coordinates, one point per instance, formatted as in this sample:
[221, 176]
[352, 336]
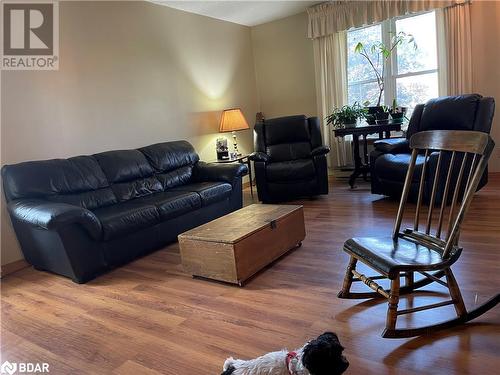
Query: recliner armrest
[227, 172]
[52, 215]
[259, 156]
[393, 145]
[321, 150]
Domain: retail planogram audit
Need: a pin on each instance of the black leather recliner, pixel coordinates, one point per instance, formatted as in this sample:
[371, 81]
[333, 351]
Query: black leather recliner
[289, 159]
[81, 216]
[390, 160]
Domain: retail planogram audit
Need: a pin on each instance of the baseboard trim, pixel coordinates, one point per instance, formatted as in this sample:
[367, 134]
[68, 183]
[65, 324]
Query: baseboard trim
[12, 267]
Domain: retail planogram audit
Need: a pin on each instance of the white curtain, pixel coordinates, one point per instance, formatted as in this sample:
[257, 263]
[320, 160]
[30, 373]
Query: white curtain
[457, 29]
[330, 61]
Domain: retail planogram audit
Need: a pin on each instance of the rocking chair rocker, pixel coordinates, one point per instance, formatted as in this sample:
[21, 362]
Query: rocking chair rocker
[413, 251]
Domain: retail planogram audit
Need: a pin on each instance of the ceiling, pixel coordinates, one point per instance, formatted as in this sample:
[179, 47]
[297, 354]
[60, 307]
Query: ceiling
[248, 13]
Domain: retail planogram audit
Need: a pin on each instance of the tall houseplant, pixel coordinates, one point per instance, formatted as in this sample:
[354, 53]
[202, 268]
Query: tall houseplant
[382, 54]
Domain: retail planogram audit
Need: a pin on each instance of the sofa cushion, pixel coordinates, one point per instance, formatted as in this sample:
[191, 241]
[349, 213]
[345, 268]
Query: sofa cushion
[171, 204]
[176, 177]
[37, 179]
[450, 113]
[210, 192]
[89, 199]
[293, 170]
[124, 165]
[393, 167]
[130, 173]
[289, 129]
[168, 156]
[121, 218]
[137, 188]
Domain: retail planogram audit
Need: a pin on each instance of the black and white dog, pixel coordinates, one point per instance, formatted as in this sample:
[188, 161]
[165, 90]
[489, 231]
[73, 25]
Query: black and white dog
[321, 356]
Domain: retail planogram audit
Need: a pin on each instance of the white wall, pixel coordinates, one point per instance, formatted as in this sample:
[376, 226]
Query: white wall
[131, 74]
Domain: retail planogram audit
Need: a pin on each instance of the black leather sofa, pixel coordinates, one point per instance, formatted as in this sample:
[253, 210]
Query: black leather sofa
[81, 216]
[289, 159]
[390, 159]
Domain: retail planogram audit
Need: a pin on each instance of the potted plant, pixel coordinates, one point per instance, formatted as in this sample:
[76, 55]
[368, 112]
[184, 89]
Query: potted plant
[346, 116]
[382, 117]
[382, 54]
[397, 113]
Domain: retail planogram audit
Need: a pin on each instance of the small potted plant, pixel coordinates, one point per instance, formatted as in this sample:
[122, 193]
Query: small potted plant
[397, 113]
[346, 116]
[382, 117]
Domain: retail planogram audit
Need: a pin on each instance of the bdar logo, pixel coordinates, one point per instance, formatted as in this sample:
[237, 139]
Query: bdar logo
[8, 368]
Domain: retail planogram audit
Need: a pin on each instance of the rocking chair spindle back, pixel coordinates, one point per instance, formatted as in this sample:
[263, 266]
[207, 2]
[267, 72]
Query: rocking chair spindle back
[462, 157]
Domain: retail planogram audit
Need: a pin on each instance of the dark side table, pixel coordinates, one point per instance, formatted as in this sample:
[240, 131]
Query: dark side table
[244, 159]
[363, 130]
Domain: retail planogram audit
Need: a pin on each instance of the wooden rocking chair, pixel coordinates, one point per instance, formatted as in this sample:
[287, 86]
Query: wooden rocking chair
[413, 251]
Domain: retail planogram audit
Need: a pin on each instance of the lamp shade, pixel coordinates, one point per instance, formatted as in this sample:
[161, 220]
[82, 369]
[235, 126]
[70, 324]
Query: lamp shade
[232, 120]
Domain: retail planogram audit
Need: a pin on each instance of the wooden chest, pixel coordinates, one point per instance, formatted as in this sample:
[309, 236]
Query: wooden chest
[236, 246]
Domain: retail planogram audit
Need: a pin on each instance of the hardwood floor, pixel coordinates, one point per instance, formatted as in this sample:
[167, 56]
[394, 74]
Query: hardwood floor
[149, 317]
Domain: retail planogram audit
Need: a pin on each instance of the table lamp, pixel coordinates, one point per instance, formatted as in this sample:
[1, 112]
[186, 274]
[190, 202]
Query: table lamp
[233, 120]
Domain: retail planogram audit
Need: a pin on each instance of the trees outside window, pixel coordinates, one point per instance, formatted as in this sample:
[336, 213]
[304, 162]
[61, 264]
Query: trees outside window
[411, 75]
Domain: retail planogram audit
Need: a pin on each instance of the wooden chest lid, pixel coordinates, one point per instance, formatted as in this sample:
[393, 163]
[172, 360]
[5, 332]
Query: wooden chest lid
[239, 224]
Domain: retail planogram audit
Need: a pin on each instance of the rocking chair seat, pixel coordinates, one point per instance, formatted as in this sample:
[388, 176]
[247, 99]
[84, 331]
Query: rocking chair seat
[391, 256]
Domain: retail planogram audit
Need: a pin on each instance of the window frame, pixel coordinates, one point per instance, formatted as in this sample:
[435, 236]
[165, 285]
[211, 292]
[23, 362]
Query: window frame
[391, 74]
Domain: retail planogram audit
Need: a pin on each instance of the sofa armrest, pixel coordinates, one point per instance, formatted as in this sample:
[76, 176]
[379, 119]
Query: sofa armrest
[393, 145]
[226, 172]
[321, 150]
[259, 156]
[52, 215]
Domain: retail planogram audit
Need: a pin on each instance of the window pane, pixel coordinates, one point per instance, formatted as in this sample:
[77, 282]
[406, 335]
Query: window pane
[363, 92]
[358, 69]
[423, 29]
[417, 89]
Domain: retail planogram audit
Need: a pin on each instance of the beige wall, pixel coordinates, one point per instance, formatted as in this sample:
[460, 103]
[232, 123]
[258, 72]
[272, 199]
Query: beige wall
[486, 62]
[131, 74]
[284, 67]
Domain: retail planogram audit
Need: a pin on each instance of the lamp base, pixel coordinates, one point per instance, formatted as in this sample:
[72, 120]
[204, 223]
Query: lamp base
[235, 145]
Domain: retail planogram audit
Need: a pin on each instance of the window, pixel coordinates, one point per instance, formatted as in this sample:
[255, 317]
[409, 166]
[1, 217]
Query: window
[411, 76]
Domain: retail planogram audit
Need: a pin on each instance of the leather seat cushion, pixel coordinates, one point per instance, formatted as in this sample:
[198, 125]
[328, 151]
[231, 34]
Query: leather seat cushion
[89, 199]
[293, 170]
[124, 165]
[387, 255]
[39, 179]
[210, 192]
[167, 156]
[172, 204]
[289, 151]
[122, 218]
[394, 167]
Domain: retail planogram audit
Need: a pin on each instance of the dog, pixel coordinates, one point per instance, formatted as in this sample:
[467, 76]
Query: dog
[321, 356]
